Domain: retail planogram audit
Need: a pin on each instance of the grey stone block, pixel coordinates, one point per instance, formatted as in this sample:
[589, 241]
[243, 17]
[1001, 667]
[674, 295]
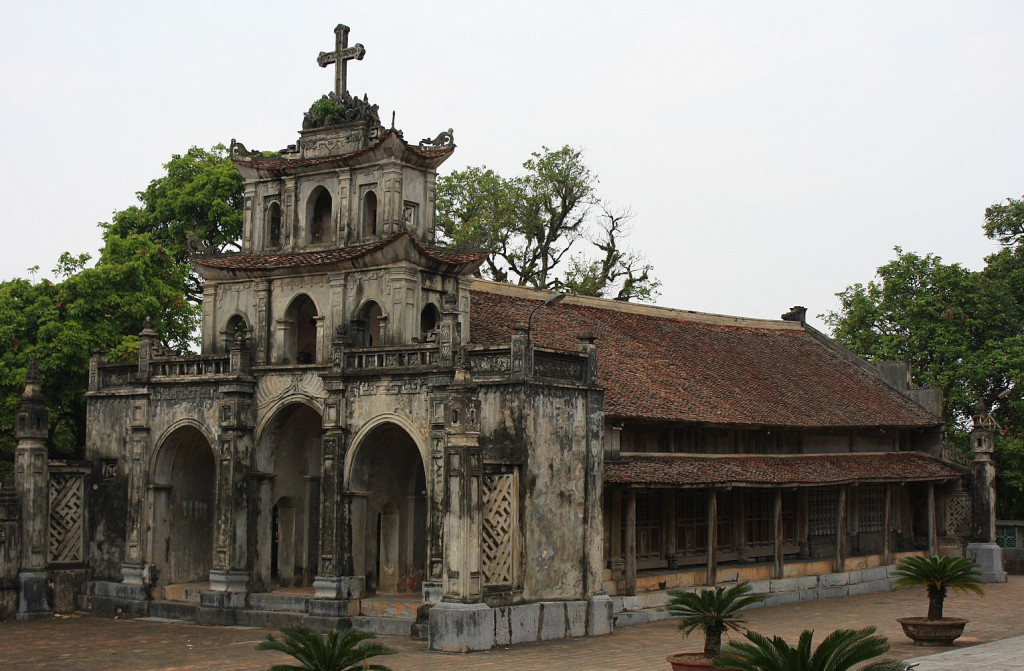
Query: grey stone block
[525, 622]
[630, 617]
[599, 615]
[989, 560]
[809, 594]
[552, 620]
[392, 626]
[832, 592]
[576, 618]
[833, 579]
[503, 626]
[869, 586]
[760, 586]
[461, 627]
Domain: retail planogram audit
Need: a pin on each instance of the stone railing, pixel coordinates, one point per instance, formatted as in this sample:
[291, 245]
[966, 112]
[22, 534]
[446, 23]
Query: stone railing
[490, 361]
[118, 374]
[555, 365]
[954, 456]
[190, 366]
[391, 358]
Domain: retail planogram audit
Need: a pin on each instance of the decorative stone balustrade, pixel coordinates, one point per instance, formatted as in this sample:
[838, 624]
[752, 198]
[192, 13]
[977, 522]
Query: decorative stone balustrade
[390, 358]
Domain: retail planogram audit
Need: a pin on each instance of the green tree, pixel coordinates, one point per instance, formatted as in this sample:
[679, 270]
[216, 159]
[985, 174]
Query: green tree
[712, 611]
[938, 575]
[201, 194]
[59, 323]
[841, 650]
[531, 224]
[336, 651]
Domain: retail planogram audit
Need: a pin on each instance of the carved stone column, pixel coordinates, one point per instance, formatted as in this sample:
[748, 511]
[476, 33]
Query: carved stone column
[231, 561]
[32, 487]
[261, 328]
[986, 554]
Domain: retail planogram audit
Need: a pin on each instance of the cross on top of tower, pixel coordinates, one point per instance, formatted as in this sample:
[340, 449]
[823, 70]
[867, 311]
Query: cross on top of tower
[341, 55]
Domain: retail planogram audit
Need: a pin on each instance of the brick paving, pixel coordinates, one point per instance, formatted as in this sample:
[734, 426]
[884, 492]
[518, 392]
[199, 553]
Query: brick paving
[93, 643]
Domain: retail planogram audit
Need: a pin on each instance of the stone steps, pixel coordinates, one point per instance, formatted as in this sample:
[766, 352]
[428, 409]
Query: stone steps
[173, 610]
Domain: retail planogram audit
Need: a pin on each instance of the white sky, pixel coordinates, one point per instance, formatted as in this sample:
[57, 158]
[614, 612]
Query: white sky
[774, 153]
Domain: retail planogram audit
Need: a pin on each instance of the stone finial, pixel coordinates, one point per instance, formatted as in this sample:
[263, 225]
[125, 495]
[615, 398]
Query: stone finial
[147, 328]
[33, 380]
[797, 313]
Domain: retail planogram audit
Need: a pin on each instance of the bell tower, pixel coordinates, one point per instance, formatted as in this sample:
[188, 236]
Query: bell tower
[347, 181]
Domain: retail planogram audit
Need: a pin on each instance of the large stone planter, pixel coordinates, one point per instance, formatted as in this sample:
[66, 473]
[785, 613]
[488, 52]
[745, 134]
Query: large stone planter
[688, 661]
[933, 633]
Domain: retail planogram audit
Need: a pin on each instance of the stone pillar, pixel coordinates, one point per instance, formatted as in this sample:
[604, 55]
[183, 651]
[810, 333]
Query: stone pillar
[522, 354]
[291, 229]
[448, 332]
[261, 328]
[147, 343]
[464, 481]
[32, 488]
[230, 571]
[986, 554]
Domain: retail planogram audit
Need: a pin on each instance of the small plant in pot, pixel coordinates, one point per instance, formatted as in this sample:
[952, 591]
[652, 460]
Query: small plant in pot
[841, 650]
[938, 575]
[713, 612]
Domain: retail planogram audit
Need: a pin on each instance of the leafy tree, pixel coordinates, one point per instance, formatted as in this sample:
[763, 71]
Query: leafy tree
[938, 575]
[960, 330]
[841, 650]
[336, 651]
[201, 193]
[59, 323]
[531, 224]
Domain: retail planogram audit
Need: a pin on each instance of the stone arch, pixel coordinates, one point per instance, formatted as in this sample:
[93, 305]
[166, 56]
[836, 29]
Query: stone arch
[273, 222]
[430, 319]
[386, 476]
[319, 218]
[369, 214]
[367, 326]
[236, 324]
[288, 457]
[301, 324]
[183, 478]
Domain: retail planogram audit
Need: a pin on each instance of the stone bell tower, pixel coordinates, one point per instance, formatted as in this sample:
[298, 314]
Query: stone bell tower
[32, 482]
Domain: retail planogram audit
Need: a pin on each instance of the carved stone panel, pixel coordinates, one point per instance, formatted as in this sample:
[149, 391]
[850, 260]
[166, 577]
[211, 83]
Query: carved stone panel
[66, 524]
[500, 522]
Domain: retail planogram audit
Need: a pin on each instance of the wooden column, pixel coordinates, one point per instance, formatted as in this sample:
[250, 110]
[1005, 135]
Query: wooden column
[630, 542]
[712, 576]
[840, 561]
[932, 544]
[803, 523]
[777, 533]
[739, 526]
[671, 542]
[886, 524]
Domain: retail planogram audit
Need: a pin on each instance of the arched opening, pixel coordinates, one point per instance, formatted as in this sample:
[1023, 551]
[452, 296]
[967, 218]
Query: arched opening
[182, 527]
[274, 225]
[367, 326]
[318, 220]
[429, 319]
[300, 344]
[289, 501]
[370, 214]
[235, 328]
[389, 522]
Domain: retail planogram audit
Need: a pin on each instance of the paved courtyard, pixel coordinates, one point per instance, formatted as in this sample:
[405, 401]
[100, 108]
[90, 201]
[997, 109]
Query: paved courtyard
[93, 643]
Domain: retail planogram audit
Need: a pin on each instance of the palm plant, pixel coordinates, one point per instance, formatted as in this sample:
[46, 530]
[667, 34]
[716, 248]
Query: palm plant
[713, 611]
[841, 650]
[938, 574]
[343, 650]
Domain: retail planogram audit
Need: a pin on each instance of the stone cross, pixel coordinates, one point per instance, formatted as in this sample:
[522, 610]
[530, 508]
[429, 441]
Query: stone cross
[341, 55]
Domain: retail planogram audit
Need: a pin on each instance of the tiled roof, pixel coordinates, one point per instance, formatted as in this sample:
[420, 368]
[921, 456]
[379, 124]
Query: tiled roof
[327, 256]
[765, 470]
[670, 365]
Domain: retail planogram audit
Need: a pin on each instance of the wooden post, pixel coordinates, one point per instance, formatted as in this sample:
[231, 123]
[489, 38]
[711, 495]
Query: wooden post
[739, 526]
[671, 542]
[712, 555]
[886, 524]
[841, 531]
[631, 542]
[803, 523]
[932, 545]
[777, 533]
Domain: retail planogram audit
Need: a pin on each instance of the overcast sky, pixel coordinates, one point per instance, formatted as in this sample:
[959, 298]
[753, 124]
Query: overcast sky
[774, 152]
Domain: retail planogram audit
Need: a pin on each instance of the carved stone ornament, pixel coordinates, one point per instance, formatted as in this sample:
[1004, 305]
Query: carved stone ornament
[334, 109]
[196, 245]
[444, 140]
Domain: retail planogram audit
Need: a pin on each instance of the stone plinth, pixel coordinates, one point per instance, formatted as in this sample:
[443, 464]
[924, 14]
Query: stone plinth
[989, 560]
[461, 627]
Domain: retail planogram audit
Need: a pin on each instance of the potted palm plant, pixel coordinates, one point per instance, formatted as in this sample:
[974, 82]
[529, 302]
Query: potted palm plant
[841, 650]
[937, 575]
[346, 650]
[712, 611]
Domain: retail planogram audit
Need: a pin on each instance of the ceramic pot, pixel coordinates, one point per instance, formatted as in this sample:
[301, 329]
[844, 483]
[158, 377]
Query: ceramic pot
[933, 633]
[689, 661]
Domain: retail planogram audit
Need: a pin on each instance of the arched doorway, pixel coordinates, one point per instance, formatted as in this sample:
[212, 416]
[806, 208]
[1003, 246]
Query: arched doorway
[289, 500]
[184, 479]
[389, 510]
[367, 325]
[318, 217]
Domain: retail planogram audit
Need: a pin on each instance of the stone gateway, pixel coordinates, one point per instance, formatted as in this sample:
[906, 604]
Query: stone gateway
[372, 437]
